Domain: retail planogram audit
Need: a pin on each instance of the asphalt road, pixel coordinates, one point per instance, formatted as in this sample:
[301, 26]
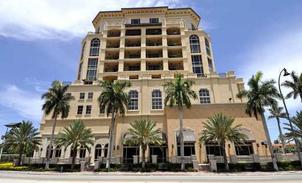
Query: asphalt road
[33, 177]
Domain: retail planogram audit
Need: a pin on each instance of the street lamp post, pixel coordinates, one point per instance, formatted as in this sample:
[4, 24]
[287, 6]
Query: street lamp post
[287, 113]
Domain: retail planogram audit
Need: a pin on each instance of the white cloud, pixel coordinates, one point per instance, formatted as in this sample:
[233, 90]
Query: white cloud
[25, 103]
[59, 19]
[273, 53]
[270, 54]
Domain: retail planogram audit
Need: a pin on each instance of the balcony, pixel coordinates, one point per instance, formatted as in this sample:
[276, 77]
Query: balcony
[176, 66]
[113, 44]
[132, 54]
[174, 42]
[154, 42]
[154, 53]
[133, 32]
[112, 55]
[110, 67]
[132, 66]
[153, 32]
[133, 42]
[175, 53]
[173, 31]
[114, 33]
[153, 66]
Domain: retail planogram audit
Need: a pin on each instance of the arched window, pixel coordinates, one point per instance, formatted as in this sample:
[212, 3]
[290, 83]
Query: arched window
[133, 100]
[156, 99]
[98, 151]
[105, 150]
[94, 47]
[51, 151]
[82, 152]
[58, 152]
[194, 44]
[204, 96]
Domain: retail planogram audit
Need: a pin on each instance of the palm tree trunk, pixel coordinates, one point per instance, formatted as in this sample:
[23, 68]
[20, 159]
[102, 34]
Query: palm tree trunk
[143, 157]
[181, 139]
[281, 135]
[74, 155]
[225, 159]
[111, 134]
[51, 142]
[20, 154]
[274, 161]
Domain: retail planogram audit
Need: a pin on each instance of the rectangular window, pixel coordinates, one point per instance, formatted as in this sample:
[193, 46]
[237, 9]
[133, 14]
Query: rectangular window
[197, 65]
[153, 20]
[189, 149]
[80, 70]
[88, 109]
[80, 109]
[135, 21]
[210, 63]
[214, 149]
[208, 49]
[244, 149]
[90, 95]
[156, 100]
[92, 69]
[82, 96]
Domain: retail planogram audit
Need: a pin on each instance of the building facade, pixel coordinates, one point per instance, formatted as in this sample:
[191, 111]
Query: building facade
[147, 46]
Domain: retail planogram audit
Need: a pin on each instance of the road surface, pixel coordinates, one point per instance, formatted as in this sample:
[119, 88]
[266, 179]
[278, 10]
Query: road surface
[51, 177]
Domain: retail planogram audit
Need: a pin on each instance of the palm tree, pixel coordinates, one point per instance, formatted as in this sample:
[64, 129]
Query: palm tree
[56, 102]
[179, 92]
[277, 112]
[261, 94]
[142, 133]
[113, 99]
[75, 135]
[220, 129]
[297, 127]
[295, 85]
[21, 138]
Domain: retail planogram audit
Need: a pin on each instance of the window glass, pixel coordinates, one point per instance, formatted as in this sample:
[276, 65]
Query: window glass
[82, 96]
[90, 95]
[154, 20]
[194, 44]
[92, 69]
[244, 149]
[204, 96]
[88, 109]
[135, 21]
[156, 99]
[197, 65]
[94, 47]
[80, 109]
[133, 102]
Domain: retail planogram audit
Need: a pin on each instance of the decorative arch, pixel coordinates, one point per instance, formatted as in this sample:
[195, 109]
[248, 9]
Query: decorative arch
[194, 44]
[94, 47]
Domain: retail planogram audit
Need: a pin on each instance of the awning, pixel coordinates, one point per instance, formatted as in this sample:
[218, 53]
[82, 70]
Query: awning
[187, 134]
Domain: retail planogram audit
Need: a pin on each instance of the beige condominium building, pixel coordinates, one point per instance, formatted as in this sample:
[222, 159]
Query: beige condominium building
[147, 46]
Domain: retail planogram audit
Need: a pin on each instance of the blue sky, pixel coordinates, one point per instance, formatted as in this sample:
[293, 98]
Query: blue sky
[40, 42]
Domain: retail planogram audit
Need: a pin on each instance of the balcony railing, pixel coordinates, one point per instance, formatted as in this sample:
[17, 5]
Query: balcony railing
[153, 43]
[174, 55]
[133, 56]
[113, 34]
[133, 32]
[112, 57]
[138, 44]
[154, 55]
[153, 32]
[174, 43]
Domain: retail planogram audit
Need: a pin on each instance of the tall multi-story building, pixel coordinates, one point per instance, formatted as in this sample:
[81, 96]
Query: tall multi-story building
[147, 46]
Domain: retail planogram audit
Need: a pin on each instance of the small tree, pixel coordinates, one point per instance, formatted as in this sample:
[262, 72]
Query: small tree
[56, 103]
[179, 92]
[113, 99]
[75, 135]
[220, 129]
[295, 85]
[259, 95]
[21, 138]
[297, 127]
[277, 112]
[143, 133]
